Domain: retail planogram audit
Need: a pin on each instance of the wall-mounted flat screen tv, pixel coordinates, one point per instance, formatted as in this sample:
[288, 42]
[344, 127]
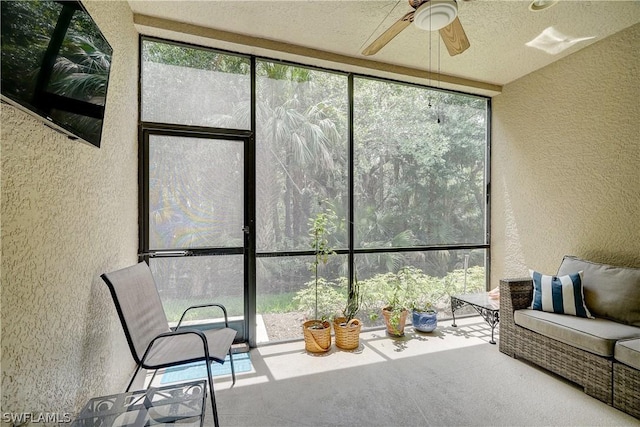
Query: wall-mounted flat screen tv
[55, 65]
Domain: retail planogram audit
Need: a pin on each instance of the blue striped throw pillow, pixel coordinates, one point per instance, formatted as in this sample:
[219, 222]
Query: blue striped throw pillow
[559, 294]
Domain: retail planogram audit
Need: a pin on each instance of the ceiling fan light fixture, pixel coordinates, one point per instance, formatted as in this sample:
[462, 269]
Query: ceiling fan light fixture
[435, 14]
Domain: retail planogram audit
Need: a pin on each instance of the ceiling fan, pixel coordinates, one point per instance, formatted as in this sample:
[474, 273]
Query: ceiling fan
[428, 15]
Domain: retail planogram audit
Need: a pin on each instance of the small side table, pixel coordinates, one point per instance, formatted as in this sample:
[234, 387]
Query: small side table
[488, 308]
[181, 403]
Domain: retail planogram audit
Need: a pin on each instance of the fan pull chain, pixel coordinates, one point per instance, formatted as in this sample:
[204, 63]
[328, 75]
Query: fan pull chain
[430, 68]
[438, 82]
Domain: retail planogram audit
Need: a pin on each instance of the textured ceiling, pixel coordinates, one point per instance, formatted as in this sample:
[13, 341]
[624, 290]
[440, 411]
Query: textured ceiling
[497, 30]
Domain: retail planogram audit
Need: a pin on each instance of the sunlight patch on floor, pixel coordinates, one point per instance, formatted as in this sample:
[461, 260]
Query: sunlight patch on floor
[289, 360]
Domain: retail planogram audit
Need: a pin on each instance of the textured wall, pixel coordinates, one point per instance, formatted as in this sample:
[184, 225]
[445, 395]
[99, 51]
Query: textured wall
[566, 162]
[69, 213]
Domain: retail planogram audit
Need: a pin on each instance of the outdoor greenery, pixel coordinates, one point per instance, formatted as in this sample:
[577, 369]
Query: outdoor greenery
[271, 304]
[193, 57]
[354, 300]
[301, 144]
[402, 289]
[332, 296]
[320, 227]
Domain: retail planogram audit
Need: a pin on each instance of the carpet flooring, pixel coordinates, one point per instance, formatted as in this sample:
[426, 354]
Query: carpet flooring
[451, 377]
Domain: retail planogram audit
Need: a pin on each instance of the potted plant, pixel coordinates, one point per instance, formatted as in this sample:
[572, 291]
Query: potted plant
[347, 328]
[423, 293]
[423, 316]
[317, 332]
[395, 311]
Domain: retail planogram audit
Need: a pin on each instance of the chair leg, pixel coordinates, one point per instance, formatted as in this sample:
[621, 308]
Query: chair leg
[213, 397]
[233, 369]
[153, 377]
[135, 374]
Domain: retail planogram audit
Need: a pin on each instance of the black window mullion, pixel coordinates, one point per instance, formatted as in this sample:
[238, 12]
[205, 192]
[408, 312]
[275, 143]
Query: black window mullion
[350, 191]
[250, 217]
[143, 194]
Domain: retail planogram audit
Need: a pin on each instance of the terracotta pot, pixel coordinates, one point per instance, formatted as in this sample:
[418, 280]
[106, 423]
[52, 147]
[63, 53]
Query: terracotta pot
[395, 329]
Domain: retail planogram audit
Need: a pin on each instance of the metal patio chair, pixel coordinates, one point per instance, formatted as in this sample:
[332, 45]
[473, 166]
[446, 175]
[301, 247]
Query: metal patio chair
[152, 342]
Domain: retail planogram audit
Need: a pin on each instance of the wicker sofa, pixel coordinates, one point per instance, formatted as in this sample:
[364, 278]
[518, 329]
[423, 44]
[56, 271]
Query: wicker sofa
[600, 354]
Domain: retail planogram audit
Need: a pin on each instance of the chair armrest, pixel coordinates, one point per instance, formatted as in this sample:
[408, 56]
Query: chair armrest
[180, 332]
[224, 310]
[515, 294]
[519, 293]
[169, 334]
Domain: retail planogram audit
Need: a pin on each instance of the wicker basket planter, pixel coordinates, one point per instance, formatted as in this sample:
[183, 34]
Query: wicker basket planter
[347, 334]
[317, 340]
[395, 329]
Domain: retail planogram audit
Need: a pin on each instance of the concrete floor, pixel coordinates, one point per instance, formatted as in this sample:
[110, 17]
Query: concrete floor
[451, 377]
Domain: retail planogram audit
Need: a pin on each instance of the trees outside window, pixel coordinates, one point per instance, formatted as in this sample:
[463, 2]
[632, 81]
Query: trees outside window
[301, 153]
[419, 171]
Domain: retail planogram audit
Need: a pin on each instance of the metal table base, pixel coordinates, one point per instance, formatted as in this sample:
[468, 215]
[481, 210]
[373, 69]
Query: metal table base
[488, 308]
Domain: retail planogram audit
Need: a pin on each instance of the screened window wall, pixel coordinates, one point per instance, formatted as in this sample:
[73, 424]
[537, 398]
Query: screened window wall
[399, 171]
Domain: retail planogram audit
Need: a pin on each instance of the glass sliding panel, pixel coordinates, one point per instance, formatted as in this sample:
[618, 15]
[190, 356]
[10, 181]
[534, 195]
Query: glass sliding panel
[419, 166]
[286, 294]
[196, 193]
[423, 276]
[186, 281]
[301, 154]
[195, 86]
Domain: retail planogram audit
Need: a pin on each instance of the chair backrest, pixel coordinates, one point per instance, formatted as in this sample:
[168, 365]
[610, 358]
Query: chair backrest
[138, 304]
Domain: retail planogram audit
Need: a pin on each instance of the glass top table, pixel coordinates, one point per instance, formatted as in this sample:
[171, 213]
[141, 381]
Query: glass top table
[487, 307]
[182, 404]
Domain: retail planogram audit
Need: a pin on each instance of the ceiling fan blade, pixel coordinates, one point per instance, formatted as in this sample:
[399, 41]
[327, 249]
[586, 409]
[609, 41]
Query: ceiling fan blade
[388, 35]
[454, 37]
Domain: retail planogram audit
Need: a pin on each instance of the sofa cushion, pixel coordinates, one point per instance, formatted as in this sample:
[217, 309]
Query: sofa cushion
[596, 336]
[559, 294]
[609, 291]
[628, 352]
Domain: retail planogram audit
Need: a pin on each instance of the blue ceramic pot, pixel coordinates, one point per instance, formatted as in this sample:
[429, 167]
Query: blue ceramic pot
[424, 321]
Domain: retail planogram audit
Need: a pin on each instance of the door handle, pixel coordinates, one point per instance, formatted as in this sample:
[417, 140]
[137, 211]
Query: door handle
[246, 229]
